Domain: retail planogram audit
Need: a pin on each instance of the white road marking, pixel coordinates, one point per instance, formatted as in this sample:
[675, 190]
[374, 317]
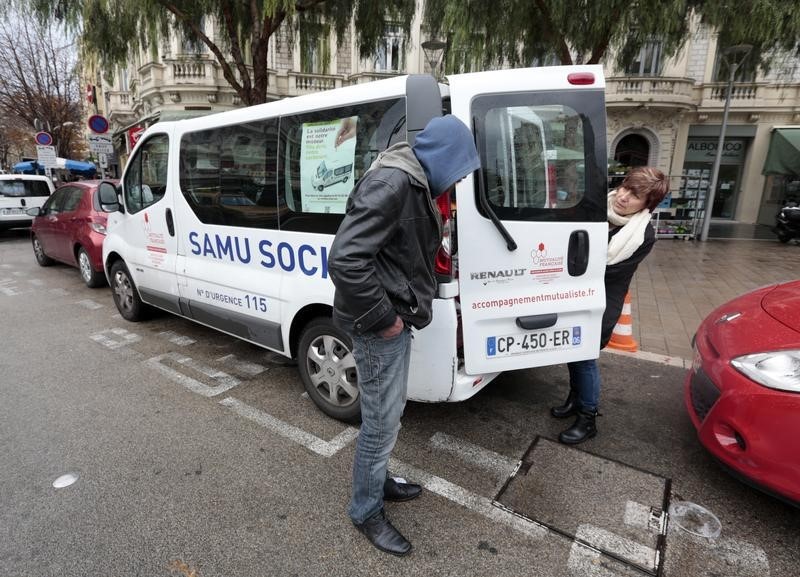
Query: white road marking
[19, 273]
[124, 339]
[8, 287]
[177, 339]
[638, 515]
[496, 463]
[622, 547]
[307, 440]
[224, 380]
[89, 304]
[117, 316]
[652, 357]
[744, 559]
[245, 367]
[467, 499]
[586, 562]
[5, 266]
[36, 281]
[59, 291]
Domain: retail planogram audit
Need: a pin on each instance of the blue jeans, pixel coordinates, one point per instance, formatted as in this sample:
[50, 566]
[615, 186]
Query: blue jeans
[382, 367]
[584, 379]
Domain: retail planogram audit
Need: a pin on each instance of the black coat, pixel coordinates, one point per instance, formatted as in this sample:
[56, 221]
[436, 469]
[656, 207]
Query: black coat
[618, 280]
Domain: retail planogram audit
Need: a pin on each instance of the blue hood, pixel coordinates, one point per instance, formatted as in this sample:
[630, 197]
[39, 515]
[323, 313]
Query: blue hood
[446, 151]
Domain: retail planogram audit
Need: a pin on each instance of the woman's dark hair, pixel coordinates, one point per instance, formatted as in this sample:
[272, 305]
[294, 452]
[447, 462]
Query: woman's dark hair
[649, 181]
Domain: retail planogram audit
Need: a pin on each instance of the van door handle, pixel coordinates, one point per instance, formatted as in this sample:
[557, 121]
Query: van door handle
[533, 322]
[578, 253]
[170, 222]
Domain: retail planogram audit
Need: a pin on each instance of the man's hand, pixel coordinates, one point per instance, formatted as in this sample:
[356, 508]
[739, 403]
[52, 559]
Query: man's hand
[393, 330]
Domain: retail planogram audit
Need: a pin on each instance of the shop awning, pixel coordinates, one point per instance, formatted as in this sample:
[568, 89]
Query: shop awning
[783, 156]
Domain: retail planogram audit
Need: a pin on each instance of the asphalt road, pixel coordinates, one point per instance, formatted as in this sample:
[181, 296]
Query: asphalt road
[198, 455]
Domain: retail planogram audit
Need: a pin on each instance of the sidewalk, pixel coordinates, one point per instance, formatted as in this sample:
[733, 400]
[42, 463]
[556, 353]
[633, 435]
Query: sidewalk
[681, 282]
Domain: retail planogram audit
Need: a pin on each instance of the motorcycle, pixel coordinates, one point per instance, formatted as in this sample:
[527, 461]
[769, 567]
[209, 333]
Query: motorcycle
[787, 222]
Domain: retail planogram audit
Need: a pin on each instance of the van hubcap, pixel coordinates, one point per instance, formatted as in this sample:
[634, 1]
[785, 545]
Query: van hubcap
[332, 369]
[123, 290]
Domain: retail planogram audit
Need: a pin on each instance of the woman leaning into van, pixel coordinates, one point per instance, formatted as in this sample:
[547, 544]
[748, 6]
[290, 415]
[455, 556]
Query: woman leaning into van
[630, 239]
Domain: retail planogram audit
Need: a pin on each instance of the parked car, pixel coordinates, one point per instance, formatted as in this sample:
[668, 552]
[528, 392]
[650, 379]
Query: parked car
[18, 194]
[743, 390]
[70, 228]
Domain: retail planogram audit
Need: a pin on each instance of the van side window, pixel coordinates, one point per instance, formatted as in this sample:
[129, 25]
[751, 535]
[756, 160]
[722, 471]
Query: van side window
[324, 153]
[534, 155]
[146, 180]
[24, 188]
[228, 174]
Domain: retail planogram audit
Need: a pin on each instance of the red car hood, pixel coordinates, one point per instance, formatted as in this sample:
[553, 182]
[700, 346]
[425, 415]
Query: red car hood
[768, 319]
[783, 304]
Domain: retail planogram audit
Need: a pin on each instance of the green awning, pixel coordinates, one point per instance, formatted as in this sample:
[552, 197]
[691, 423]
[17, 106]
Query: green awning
[783, 156]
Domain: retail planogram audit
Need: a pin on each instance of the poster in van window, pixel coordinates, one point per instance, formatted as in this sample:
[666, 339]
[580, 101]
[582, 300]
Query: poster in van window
[327, 152]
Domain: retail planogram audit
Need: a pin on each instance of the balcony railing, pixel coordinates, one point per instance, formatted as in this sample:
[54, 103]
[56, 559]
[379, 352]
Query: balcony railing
[655, 91]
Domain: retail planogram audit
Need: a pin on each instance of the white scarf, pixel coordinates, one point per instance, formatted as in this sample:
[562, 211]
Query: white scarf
[630, 237]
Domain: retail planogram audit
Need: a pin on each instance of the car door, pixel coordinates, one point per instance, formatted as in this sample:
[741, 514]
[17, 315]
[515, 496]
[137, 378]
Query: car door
[47, 222]
[66, 223]
[149, 227]
[531, 224]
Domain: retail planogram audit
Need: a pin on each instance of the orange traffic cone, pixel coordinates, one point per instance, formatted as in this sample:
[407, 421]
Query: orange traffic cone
[622, 337]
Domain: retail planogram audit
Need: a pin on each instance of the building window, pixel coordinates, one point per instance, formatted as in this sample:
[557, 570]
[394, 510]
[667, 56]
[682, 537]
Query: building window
[123, 79]
[390, 55]
[315, 51]
[648, 62]
[746, 71]
[195, 46]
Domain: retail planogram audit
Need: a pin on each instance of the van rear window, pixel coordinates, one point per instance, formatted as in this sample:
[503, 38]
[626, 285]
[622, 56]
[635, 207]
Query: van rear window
[17, 188]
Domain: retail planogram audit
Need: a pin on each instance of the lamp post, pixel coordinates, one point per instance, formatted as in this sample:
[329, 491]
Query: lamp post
[434, 50]
[733, 56]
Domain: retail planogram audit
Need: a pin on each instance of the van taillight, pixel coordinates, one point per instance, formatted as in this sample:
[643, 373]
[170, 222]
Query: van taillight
[443, 265]
[580, 78]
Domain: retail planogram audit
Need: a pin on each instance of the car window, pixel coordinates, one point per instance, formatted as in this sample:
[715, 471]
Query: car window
[146, 180]
[72, 199]
[53, 204]
[22, 187]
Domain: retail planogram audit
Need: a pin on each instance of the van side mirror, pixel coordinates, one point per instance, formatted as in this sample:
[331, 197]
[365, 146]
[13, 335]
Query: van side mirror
[35, 211]
[107, 195]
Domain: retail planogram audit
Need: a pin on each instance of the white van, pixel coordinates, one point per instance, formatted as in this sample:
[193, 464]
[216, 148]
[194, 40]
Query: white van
[18, 193]
[520, 269]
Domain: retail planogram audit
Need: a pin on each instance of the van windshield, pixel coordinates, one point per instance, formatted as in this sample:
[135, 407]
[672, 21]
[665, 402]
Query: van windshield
[18, 188]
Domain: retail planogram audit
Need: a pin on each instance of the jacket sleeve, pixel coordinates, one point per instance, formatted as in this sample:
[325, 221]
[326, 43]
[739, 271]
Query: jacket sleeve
[369, 224]
[617, 280]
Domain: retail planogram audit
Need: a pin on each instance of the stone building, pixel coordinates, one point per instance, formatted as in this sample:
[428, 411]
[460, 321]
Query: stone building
[661, 112]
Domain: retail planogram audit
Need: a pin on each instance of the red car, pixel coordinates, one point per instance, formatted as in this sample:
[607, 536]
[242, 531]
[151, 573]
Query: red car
[743, 391]
[70, 228]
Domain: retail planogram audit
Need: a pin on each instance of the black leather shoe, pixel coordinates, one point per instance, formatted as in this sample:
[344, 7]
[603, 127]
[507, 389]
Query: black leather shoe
[569, 408]
[383, 535]
[583, 428]
[394, 491]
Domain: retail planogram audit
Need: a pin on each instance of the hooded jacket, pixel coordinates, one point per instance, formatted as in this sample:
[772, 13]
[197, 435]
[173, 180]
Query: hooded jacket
[381, 260]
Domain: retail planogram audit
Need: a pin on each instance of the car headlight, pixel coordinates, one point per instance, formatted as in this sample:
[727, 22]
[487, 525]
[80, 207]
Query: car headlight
[97, 227]
[776, 370]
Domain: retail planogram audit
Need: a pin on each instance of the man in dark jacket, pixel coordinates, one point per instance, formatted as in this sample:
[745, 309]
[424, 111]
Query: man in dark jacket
[381, 263]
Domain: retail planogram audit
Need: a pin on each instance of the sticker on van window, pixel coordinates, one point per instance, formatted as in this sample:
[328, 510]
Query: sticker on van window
[327, 156]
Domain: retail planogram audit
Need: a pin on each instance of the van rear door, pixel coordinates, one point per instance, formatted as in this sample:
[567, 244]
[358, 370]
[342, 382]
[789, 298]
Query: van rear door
[532, 231]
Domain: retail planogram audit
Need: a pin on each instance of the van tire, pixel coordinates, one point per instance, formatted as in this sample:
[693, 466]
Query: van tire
[321, 187]
[91, 277]
[38, 253]
[125, 293]
[326, 362]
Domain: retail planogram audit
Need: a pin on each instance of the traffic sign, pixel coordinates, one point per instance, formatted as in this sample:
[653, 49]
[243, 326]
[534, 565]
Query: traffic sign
[100, 143]
[98, 124]
[43, 138]
[46, 156]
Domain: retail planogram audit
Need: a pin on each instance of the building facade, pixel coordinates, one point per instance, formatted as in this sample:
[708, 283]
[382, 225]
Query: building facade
[661, 112]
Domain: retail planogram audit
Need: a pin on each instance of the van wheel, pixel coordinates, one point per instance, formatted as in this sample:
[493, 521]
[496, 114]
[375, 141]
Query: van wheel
[784, 237]
[345, 179]
[321, 187]
[38, 253]
[328, 370]
[92, 278]
[126, 297]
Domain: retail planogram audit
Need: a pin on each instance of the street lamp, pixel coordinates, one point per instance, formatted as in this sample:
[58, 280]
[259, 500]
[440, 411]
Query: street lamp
[434, 50]
[733, 56]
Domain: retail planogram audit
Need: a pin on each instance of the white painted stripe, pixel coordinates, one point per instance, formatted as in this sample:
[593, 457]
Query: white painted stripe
[89, 304]
[622, 547]
[626, 309]
[59, 291]
[5, 266]
[123, 339]
[245, 367]
[653, 357]
[307, 440]
[19, 273]
[586, 562]
[8, 288]
[637, 515]
[224, 380]
[177, 339]
[496, 463]
[459, 495]
[624, 330]
[36, 281]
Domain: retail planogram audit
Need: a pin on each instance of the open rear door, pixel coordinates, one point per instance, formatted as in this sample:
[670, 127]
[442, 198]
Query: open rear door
[532, 230]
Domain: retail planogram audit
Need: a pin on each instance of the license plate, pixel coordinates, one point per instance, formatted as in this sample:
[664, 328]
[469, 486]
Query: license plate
[533, 342]
[9, 211]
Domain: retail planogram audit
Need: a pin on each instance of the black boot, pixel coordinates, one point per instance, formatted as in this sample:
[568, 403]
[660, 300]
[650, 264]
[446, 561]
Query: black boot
[569, 408]
[583, 428]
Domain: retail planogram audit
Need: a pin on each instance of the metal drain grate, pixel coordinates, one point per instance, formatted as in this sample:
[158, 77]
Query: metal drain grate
[608, 506]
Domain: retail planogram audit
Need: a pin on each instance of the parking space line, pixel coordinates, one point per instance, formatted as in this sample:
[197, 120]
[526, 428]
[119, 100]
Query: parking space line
[176, 339]
[89, 304]
[224, 380]
[8, 287]
[623, 548]
[125, 338]
[496, 463]
[245, 367]
[307, 440]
